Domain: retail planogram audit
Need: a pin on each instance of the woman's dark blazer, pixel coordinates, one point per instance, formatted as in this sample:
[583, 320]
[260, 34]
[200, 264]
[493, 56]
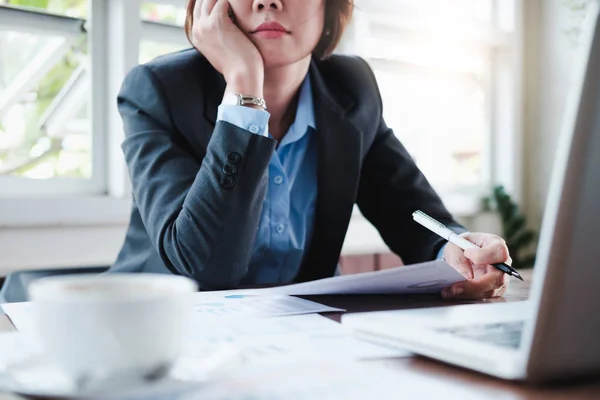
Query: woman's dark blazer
[189, 218]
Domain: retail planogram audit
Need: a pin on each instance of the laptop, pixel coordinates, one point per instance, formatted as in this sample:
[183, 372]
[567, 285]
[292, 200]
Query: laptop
[556, 333]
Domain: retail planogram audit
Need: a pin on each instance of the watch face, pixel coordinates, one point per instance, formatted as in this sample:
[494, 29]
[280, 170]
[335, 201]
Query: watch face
[231, 99]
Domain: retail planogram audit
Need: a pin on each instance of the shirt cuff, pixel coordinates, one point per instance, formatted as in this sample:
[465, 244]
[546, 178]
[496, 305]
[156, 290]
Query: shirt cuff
[440, 254]
[250, 119]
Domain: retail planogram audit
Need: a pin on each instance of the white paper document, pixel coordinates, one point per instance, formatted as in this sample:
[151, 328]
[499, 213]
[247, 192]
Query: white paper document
[236, 304]
[21, 316]
[262, 346]
[207, 306]
[15, 348]
[428, 277]
[315, 379]
[273, 340]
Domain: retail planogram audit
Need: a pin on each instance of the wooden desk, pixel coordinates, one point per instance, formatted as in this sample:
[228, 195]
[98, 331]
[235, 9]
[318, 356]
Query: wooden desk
[444, 377]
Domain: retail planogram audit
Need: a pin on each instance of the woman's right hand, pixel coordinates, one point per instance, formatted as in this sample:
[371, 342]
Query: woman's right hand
[227, 48]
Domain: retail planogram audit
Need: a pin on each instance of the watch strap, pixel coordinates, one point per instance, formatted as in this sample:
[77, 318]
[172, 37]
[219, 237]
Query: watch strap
[244, 100]
[252, 100]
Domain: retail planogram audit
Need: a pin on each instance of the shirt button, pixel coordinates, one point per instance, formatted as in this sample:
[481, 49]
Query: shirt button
[278, 180]
[254, 128]
[280, 228]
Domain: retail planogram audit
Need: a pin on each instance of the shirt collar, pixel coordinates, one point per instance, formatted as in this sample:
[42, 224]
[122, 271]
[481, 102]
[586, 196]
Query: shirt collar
[305, 115]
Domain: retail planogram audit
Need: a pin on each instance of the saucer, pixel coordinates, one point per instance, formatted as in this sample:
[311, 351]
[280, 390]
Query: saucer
[36, 377]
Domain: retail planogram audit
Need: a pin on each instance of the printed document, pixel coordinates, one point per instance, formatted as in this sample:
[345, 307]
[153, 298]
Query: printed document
[229, 304]
[277, 339]
[428, 277]
[206, 306]
[323, 380]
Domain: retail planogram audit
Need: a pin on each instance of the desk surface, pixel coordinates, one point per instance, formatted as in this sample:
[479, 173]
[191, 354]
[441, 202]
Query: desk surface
[448, 377]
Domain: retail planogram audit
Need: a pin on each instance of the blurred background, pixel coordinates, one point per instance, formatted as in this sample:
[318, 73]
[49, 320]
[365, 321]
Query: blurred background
[475, 89]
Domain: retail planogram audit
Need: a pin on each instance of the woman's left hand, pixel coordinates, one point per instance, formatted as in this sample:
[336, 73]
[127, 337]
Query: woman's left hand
[484, 280]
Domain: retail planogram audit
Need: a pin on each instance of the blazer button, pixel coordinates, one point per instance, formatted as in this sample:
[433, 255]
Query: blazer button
[228, 182]
[234, 157]
[229, 169]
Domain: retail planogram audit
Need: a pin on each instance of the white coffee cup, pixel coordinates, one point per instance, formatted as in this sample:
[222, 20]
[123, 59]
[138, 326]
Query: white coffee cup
[101, 326]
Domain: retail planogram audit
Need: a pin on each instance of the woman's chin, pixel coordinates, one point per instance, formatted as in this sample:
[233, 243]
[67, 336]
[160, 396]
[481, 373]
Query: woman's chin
[280, 60]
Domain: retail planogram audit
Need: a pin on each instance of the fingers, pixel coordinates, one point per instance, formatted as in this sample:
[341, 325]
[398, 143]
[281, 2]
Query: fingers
[494, 251]
[492, 284]
[462, 265]
[496, 292]
[479, 238]
[198, 9]
[206, 7]
[454, 256]
[212, 13]
[221, 9]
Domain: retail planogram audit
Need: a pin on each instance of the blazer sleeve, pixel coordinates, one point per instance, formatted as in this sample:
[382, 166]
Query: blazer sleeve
[391, 188]
[201, 217]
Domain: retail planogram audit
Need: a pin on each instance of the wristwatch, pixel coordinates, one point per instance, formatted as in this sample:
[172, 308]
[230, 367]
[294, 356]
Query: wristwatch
[236, 99]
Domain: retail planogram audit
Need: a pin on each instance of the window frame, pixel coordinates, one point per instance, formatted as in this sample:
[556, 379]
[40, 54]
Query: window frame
[105, 198]
[36, 22]
[112, 56]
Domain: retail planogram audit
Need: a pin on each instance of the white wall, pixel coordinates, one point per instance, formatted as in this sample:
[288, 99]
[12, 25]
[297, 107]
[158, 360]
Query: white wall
[550, 50]
[75, 246]
[47, 247]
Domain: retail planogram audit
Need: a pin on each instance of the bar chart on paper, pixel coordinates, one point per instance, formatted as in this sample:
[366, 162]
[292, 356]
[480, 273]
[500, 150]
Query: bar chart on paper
[239, 305]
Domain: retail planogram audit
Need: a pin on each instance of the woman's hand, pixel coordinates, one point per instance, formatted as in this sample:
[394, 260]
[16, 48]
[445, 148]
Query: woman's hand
[227, 48]
[484, 281]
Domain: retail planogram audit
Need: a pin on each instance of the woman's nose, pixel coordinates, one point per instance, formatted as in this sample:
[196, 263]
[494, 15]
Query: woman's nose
[262, 5]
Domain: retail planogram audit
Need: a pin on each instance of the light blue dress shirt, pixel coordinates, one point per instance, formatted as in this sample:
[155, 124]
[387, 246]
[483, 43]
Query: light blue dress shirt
[287, 218]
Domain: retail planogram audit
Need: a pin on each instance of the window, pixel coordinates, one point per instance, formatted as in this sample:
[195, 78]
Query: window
[445, 69]
[50, 142]
[164, 19]
[44, 115]
[446, 72]
[163, 13]
[67, 8]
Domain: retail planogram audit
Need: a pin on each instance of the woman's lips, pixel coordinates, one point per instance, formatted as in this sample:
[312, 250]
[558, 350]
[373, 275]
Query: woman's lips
[270, 30]
[267, 34]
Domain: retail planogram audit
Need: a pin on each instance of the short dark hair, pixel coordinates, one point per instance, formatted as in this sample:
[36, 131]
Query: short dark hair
[337, 15]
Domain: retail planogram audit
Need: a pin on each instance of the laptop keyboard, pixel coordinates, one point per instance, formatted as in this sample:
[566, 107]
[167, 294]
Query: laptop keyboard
[505, 334]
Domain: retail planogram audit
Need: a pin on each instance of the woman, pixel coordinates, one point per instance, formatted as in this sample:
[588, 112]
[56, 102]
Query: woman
[231, 194]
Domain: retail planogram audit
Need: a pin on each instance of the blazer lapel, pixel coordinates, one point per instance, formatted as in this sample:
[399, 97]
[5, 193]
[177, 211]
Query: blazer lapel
[339, 158]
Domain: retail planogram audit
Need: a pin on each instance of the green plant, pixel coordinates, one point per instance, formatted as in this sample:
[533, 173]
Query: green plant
[514, 228]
